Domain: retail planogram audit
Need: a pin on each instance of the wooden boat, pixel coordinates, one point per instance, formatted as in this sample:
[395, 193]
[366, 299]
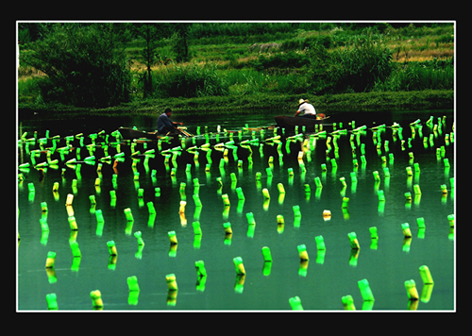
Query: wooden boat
[129, 133]
[289, 123]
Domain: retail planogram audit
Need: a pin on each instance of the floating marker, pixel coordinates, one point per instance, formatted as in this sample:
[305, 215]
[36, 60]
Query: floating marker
[138, 236]
[376, 175]
[353, 240]
[281, 188]
[112, 248]
[354, 177]
[196, 199]
[450, 218]
[75, 249]
[72, 223]
[280, 220]
[295, 303]
[417, 189]
[140, 193]
[266, 194]
[51, 259]
[296, 211]
[333, 163]
[345, 204]
[151, 208]
[55, 187]
[44, 224]
[266, 254]
[171, 282]
[96, 297]
[409, 172]
[51, 300]
[443, 189]
[225, 198]
[373, 233]
[227, 227]
[44, 207]
[446, 162]
[132, 283]
[99, 216]
[70, 198]
[426, 275]
[366, 292]
[128, 214]
[318, 182]
[408, 196]
[182, 207]
[326, 214]
[31, 187]
[201, 270]
[197, 230]
[240, 193]
[411, 290]
[239, 266]
[406, 230]
[420, 222]
[302, 253]
[172, 237]
[381, 195]
[320, 244]
[348, 302]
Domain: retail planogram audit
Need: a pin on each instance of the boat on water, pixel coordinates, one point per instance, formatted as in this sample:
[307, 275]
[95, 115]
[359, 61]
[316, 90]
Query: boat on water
[289, 122]
[130, 133]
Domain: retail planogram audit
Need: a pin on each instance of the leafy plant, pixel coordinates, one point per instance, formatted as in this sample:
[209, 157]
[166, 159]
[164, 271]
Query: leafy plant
[85, 66]
[354, 68]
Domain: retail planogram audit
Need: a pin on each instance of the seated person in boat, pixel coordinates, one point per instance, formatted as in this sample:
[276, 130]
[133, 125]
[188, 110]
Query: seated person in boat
[164, 124]
[307, 109]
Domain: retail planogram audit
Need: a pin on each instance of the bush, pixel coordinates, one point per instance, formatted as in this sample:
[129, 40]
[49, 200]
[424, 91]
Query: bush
[85, 66]
[352, 69]
[415, 76]
[190, 81]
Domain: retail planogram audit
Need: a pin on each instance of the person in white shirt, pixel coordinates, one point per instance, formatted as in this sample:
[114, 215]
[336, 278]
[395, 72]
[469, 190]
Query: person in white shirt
[307, 109]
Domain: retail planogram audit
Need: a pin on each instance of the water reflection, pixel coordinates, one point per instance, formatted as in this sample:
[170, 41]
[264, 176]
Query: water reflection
[296, 189]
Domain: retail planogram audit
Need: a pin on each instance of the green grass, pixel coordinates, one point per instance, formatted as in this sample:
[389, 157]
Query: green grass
[249, 103]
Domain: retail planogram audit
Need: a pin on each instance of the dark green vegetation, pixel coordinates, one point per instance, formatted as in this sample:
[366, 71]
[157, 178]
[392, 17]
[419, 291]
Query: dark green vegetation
[221, 66]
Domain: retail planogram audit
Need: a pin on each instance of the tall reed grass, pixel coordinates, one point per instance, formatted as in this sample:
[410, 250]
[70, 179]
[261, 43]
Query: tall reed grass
[415, 76]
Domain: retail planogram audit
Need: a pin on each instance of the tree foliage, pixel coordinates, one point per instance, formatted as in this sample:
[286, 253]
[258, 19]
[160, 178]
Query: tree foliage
[86, 66]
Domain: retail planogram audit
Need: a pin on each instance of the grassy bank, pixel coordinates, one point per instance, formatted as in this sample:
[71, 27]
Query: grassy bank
[236, 66]
[368, 101]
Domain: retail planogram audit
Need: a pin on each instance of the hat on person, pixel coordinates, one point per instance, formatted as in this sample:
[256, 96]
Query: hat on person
[301, 101]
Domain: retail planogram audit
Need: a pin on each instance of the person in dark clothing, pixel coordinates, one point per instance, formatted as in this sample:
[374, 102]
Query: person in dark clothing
[164, 124]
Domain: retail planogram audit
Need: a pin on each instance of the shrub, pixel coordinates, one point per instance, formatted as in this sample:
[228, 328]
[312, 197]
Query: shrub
[351, 69]
[415, 76]
[84, 65]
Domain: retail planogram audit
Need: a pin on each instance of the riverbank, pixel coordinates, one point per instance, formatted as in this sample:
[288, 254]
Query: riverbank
[369, 101]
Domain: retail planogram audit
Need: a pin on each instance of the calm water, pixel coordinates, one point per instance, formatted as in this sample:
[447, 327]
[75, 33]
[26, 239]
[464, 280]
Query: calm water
[320, 283]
